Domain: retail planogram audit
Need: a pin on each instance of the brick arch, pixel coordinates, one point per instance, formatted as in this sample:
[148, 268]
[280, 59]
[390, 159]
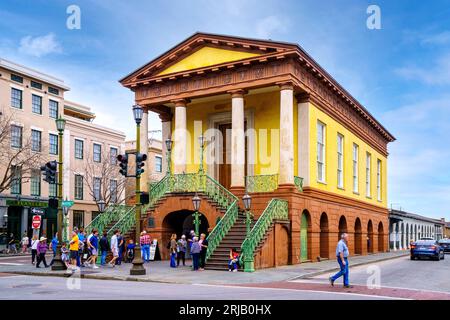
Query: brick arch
[370, 236]
[171, 204]
[380, 231]
[358, 236]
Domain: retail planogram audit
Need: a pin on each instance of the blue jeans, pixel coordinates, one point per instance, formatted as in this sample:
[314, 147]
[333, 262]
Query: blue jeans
[195, 258]
[146, 252]
[342, 272]
[173, 263]
[104, 254]
[232, 265]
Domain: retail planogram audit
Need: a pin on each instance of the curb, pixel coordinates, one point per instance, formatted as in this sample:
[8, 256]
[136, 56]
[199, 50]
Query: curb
[128, 278]
[334, 269]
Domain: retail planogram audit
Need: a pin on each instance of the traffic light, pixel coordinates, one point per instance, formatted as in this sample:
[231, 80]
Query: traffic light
[53, 203]
[145, 199]
[140, 158]
[49, 171]
[123, 164]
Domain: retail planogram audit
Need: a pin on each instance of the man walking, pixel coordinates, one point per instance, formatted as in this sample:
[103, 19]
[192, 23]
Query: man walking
[74, 247]
[92, 243]
[104, 246]
[342, 259]
[114, 248]
[54, 245]
[145, 241]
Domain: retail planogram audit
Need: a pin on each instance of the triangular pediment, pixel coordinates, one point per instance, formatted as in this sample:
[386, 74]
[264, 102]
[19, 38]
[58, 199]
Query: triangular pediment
[206, 57]
[203, 50]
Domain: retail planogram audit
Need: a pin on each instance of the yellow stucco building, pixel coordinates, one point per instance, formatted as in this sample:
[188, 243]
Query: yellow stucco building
[275, 125]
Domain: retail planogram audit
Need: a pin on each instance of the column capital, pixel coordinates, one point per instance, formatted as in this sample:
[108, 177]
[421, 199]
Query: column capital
[286, 85]
[237, 93]
[180, 102]
[165, 117]
[303, 97]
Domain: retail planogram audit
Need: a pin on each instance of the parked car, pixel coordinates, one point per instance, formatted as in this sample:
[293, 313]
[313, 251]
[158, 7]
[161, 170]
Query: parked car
[426, 238]
[427, 248]
[445, 244]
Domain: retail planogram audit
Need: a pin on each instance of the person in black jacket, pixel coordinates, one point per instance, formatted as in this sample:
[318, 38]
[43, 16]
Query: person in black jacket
[204, 248]
[104, 247]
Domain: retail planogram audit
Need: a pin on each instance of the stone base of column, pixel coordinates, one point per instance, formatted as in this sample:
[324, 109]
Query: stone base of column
[237, 191]
[286, 187]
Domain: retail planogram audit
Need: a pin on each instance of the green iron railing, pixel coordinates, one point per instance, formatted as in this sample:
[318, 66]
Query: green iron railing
[298, 181]
[262, 183]
[112, 212]
[125, 223]
[189, 182]
[276, 209]
[221, 229]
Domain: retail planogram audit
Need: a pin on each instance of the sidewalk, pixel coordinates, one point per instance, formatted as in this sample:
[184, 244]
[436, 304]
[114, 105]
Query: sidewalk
[159, 271]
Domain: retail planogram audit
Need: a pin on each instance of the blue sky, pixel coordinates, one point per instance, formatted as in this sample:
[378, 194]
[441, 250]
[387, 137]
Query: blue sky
[401, 73]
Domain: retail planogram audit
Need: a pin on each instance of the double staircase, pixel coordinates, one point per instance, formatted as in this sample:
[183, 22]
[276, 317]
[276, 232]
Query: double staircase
[230, 230]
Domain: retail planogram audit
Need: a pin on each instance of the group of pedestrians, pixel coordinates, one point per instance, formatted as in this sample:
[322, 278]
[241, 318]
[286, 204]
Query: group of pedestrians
[196, 246]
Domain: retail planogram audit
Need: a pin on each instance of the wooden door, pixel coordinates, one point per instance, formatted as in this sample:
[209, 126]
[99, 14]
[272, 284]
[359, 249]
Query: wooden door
[225, 165]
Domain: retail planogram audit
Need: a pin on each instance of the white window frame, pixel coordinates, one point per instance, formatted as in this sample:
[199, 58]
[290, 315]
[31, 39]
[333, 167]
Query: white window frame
[156, 168]
[379, 168]
[355, 167]
[340, 161]
[321, 163]
[368, 175]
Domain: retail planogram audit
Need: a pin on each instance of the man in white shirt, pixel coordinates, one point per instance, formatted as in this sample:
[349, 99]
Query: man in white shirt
[114, 248]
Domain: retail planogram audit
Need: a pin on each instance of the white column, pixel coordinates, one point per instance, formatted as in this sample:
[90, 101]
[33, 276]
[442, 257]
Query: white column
[24, 224]
[394, 231]
[144, 149]
[286, 166]
[237, 139]
[180, 137]
[166, 123]
[405, 244]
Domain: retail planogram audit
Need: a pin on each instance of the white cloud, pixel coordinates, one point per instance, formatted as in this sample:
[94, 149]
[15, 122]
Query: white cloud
[441, 38]
[419, 173]
[39, 46]
[270, 25]
[436, 74]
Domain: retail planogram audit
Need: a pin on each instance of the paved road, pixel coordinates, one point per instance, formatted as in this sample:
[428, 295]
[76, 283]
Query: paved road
[404, 273]
[398, 278]
[35, 287]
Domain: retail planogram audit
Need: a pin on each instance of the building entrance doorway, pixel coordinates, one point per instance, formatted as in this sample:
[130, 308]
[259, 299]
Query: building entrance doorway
[182, 222]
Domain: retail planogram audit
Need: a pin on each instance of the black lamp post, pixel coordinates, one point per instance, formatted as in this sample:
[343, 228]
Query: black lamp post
[169, 150]
[138, 264]
[196, 202]
[101, 205]
[248, 260]
[201, 141]
[58, 264]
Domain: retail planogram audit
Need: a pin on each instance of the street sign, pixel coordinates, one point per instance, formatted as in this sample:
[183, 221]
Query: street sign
[36, 222]
[39, 211]
[67, 203]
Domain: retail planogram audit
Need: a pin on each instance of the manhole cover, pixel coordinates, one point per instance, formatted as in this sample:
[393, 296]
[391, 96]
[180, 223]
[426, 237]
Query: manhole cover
[310, 269]
[29, 285]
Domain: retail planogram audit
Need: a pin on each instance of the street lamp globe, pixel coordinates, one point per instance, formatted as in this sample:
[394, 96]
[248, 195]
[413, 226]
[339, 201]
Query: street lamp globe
[247, 199]
[60, 124]
[169, 144]
[201, 140]
[138, 113]
[196, 202]
[65, 210]
[101, 205]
